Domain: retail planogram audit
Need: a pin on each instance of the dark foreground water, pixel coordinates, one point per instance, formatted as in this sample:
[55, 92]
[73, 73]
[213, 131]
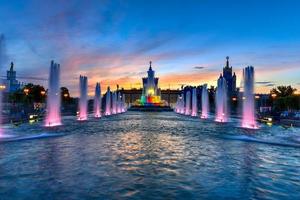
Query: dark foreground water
[149, 156]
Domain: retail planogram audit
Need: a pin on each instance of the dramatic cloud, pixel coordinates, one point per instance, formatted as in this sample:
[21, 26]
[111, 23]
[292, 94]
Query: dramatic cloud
[199, 67]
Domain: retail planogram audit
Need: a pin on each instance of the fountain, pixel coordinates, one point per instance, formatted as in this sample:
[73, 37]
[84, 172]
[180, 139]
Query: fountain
[83, 98]
[97, 101]
[2, 46]
[119, 102]
[221, 100]
[53, 117]
[194, 103]
[248, 99]
[188, 103]
[123, 109]
[108, 102]
[204, 102]
[114, 103]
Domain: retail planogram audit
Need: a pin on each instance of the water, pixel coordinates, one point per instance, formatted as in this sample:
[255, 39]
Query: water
[248, 100]
[150, 156]
[2, 58]
[221, 101]
[108, 102]
[53, 117]
[188, 103]
[123, 108]
[114, 103]
[97, 101]
[204, 102]
[83, 98]
[194, 103]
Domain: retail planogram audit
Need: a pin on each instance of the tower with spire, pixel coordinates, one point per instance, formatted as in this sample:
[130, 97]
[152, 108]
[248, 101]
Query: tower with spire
[230, 78]
[13, 83]
[151, 92]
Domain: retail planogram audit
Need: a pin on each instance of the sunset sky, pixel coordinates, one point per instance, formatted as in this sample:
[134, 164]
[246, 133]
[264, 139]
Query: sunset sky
[187, 41]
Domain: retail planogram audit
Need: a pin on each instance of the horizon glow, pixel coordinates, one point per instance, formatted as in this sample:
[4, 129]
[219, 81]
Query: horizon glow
[112, 41]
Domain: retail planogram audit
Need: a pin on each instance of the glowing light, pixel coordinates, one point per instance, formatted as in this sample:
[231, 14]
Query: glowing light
[274, 95]
[270, 119]
[26, 91]
[43, 92]
[257, 97]
[2, 87]
[234, 99]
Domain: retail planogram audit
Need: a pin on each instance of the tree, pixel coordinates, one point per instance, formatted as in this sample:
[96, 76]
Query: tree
[28, 94]
[65, 95]
[283, 91]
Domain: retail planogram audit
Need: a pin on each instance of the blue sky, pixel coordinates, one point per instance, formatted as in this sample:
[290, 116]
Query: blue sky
[113, 41]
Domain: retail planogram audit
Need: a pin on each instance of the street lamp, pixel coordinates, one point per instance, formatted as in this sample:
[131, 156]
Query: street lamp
[2, 87]
[273, 95]
[26, 91]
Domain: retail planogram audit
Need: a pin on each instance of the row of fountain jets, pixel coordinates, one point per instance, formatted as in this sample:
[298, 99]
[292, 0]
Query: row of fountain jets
[115, 101]
[187, 104]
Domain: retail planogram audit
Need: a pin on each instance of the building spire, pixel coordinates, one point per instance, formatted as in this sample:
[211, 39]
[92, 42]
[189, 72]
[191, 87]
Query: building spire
[227, 61]
[11, 66]
[150, 68]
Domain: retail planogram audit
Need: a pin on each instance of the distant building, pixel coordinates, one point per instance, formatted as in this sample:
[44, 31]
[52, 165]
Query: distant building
[151, 93]
[230, 78]
[12, 83]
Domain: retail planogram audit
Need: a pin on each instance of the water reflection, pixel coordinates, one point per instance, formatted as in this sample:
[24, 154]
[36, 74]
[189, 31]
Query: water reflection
[154, 155]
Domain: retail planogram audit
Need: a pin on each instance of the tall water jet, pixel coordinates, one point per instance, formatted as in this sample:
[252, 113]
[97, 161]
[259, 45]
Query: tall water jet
[2, 57]
[177, 104]
[123, 103]
[204, 102]
[188, 103]
[108, 102]
[53, 117]
[181, 104]
[221, 100]
[97, 101]
[194, 103]
[114, 103]
[119, 102]
[83, 98]
[248, 99]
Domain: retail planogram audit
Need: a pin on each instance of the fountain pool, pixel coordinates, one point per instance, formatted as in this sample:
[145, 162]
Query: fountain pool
[141, 155]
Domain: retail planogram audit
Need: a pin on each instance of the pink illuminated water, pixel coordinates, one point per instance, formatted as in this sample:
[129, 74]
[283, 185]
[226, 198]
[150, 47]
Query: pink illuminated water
[194, 103]
[53, 117]
[108, 102]
[97, 101]
[248, 120]
[204, 102]
[83, 98]
[221, 101]
[188, 103]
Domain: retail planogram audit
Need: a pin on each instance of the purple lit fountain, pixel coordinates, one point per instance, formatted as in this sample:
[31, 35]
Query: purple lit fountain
[248, 100]
[188, 103]
[114, 103]
[108, 102]
[83, 98]
[53, 117]
[194, 103]
[97, 101]
[123, 109]
[204, 102]
[221, 100]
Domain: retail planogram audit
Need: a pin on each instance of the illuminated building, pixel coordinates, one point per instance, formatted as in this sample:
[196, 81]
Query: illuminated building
[151, 94]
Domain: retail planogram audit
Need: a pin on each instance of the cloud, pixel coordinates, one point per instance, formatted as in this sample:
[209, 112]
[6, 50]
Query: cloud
[265, 83]
[198, 67]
